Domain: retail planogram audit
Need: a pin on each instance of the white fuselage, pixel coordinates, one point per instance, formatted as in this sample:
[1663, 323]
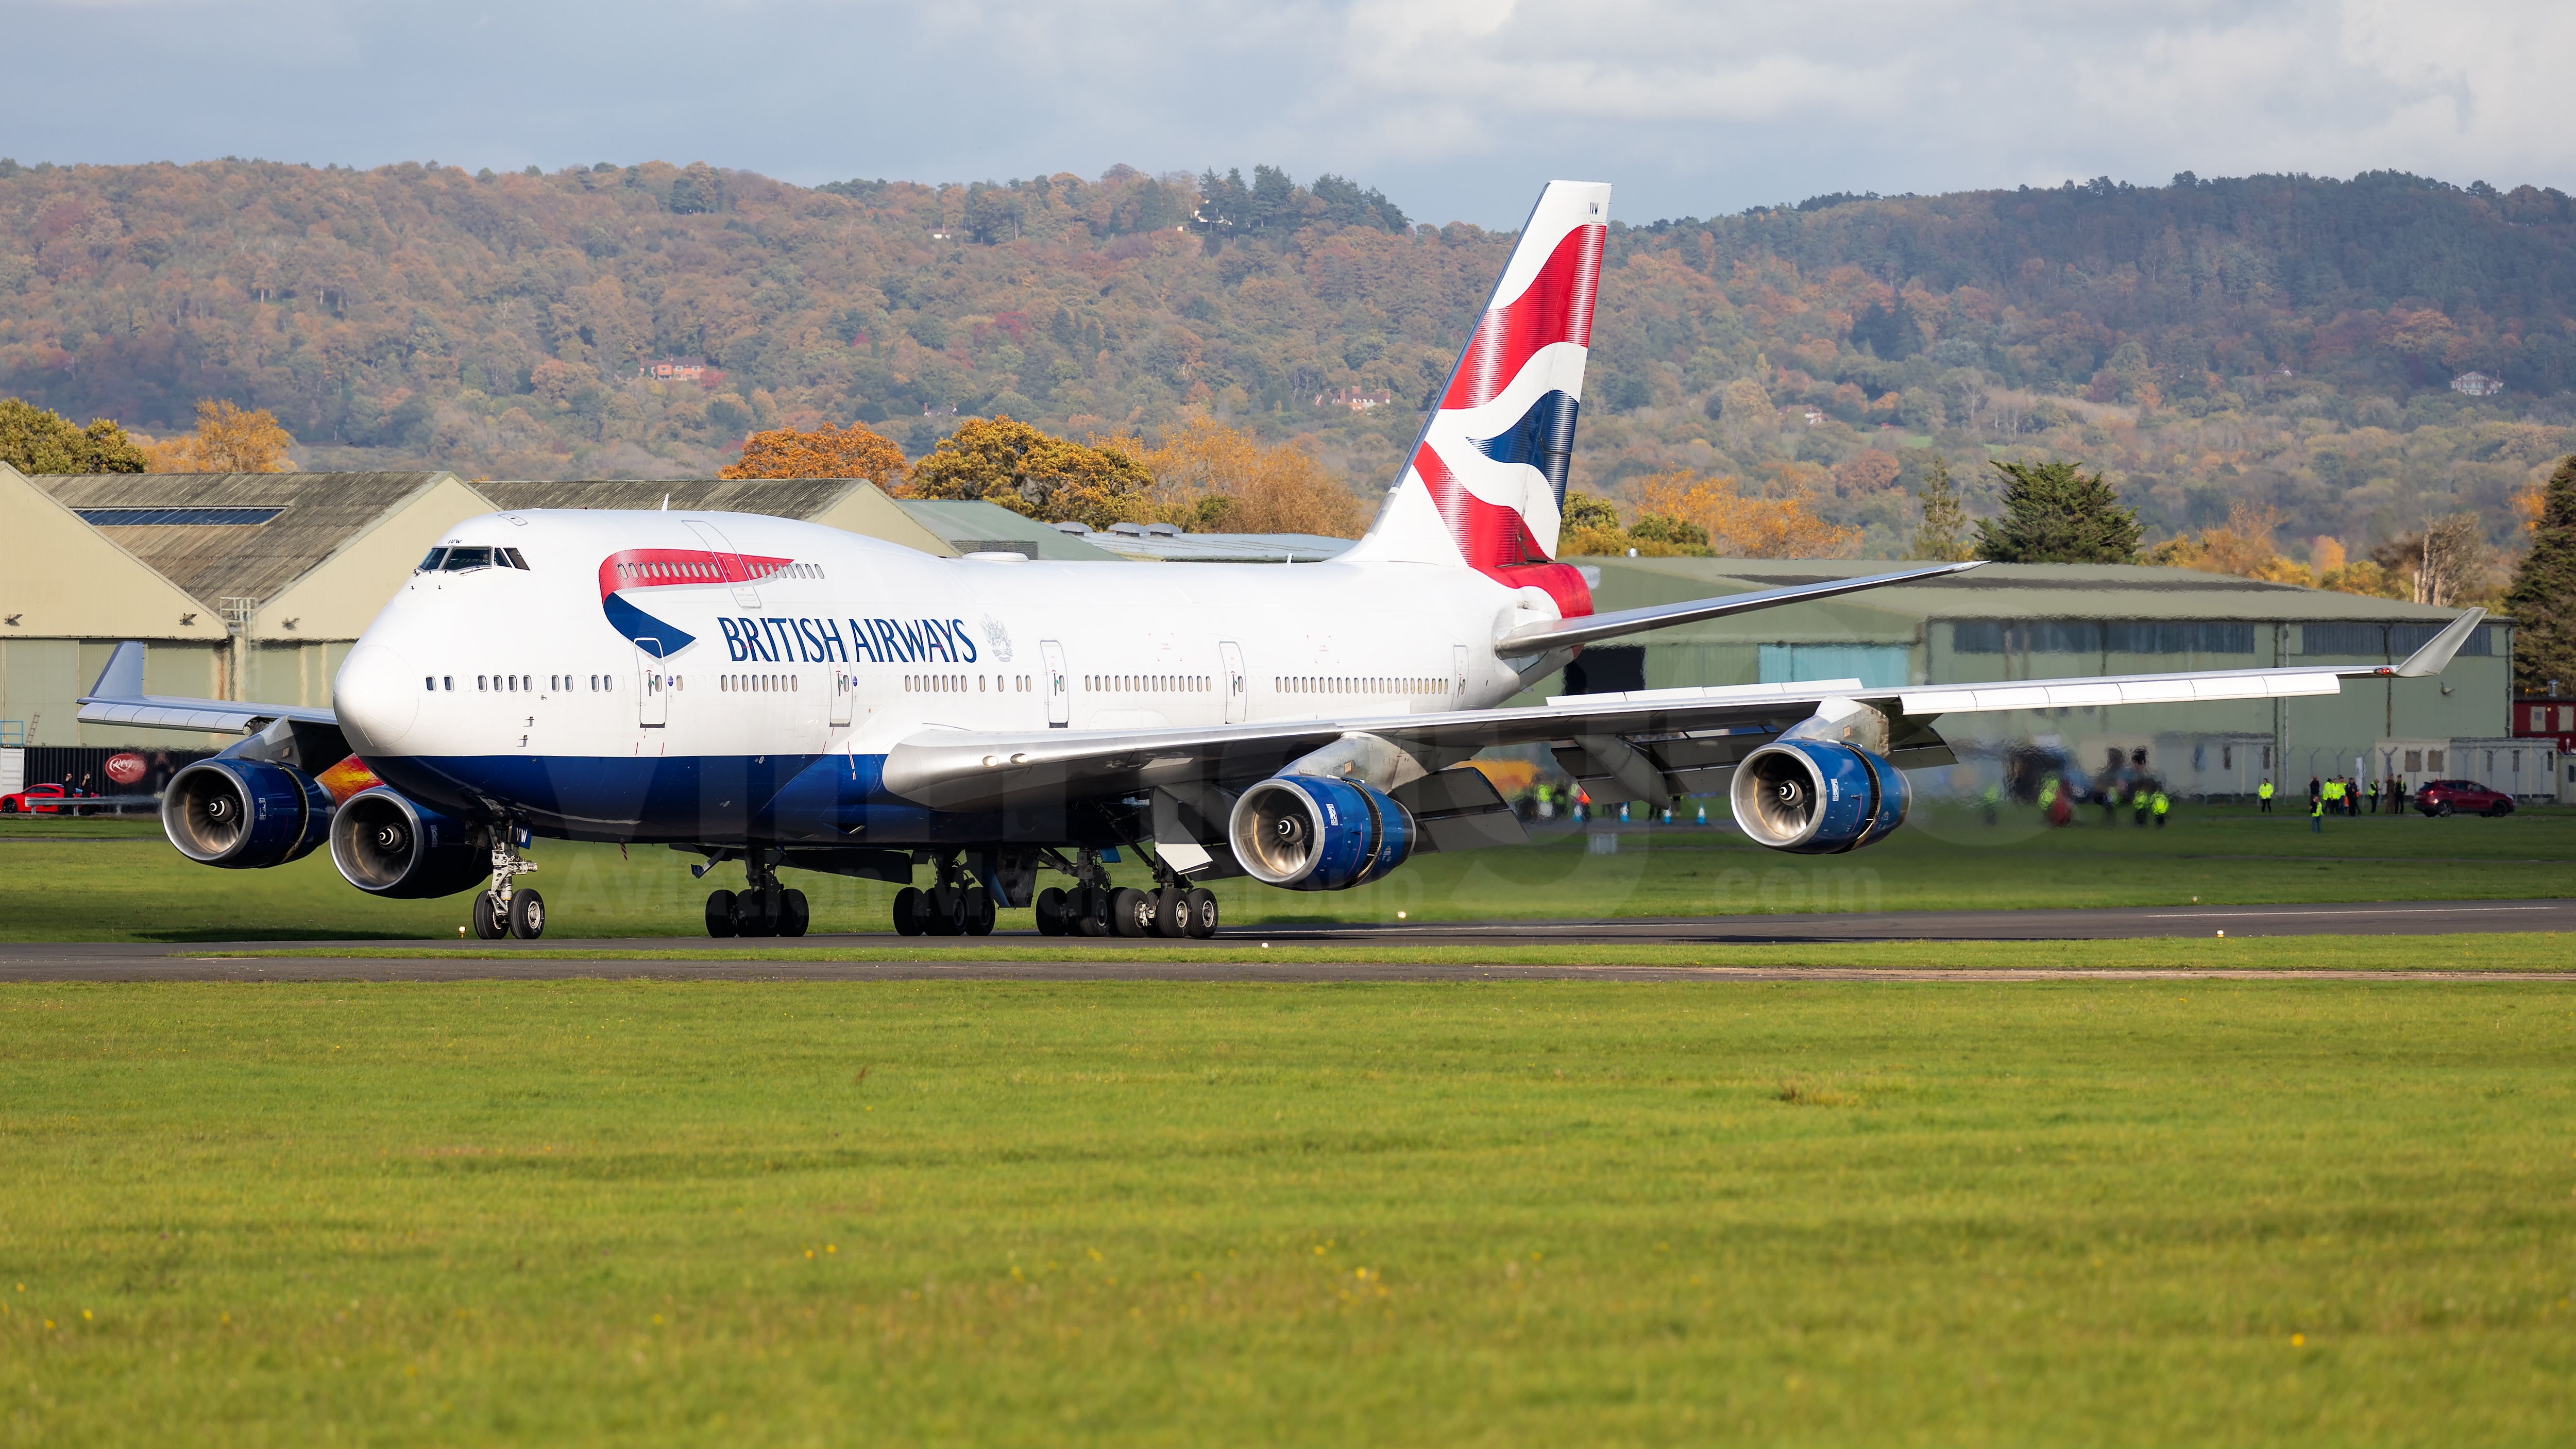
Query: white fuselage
[805, 641]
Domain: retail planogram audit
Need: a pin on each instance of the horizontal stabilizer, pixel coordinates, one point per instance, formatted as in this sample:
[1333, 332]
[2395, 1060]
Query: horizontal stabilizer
[1589, 628]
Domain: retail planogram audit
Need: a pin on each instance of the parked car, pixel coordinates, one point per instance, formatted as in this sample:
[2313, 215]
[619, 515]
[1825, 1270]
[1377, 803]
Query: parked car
[48, 800]
[2451, 797]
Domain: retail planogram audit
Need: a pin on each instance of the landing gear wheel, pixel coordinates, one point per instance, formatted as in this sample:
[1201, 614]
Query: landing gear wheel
[720, 914]
[1050, 912]
[1198, 912]
[491, 923]
[1170, 912]
[527, 915]
[910, 919]
[751, 916]
[793, 916]
[1131, 912]
[948, 911]
[979, 913]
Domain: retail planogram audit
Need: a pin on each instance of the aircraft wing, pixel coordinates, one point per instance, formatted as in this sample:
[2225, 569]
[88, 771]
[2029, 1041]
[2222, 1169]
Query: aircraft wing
[1658, 743]
[1592, 628]
[118, 698]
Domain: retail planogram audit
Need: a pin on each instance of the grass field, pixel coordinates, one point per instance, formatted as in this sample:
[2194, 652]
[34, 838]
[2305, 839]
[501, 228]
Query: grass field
[110, 880]
[2118, 1214]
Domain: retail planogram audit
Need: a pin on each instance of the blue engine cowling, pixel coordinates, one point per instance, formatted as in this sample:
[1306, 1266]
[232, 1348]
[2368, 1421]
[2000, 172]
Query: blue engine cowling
[388, 844]
[245, 814]
[1310, 833]
[1818, 798]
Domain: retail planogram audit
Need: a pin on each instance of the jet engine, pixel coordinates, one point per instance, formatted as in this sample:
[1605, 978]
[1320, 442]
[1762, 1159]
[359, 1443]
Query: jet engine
[1818, 797]
[245, 814]
[389, 845]
[1311, 833]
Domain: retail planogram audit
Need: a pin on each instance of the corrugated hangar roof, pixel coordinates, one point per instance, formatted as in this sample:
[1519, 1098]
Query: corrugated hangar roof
[2024, 591]
[778, 497]
[308, 517]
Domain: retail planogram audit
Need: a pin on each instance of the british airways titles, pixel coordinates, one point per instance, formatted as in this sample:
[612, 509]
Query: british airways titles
[818, 641]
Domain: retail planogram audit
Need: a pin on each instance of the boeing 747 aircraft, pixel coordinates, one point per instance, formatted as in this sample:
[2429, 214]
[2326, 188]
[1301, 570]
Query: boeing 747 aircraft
[790, 697]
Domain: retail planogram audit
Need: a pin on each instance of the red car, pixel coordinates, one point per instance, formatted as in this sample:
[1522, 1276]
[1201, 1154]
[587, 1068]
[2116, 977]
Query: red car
[2451, 797]
[46, 800]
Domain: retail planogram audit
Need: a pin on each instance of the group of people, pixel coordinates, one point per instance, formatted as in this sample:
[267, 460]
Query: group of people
[2344, 795]
[2145, 799]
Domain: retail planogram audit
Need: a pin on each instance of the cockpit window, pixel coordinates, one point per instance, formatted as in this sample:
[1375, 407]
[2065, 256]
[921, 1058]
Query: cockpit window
[461, 559]
[429, 565]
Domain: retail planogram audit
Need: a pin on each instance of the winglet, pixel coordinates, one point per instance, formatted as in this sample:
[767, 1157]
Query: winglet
[2436, 654]
[122, 679]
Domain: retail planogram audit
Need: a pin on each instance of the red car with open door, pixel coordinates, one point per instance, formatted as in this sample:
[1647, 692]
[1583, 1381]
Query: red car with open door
[2462, 797]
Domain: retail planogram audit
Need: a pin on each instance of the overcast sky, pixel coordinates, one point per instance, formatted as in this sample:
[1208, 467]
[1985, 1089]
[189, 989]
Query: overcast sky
[1458, 108]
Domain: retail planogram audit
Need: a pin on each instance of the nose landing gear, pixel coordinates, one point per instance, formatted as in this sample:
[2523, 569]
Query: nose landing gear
[502, 911]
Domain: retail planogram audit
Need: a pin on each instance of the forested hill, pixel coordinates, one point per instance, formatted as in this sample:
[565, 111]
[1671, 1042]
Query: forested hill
[2286, 339]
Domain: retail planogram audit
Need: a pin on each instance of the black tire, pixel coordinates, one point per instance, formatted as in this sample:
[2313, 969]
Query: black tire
[1171, 912]
[1050, 912]
[1091, 911]
[8, 807]
[489, 924]
[909, 917]
[720, 914]
[1131, 912]
[1198, 912]
[751, 915]
[527, 915]
[2445, 810]
[793, 914]
[979, 913]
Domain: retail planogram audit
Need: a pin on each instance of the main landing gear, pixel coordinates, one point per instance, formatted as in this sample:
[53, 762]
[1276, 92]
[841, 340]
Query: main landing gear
[1095, 908]
[957, 905]
[502, 911]
[762, 907]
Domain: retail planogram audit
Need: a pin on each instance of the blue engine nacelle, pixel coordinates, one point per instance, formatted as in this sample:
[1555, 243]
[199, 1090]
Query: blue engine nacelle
[1310, 833]
[387, 844]
[1814, 797]
[245, 814]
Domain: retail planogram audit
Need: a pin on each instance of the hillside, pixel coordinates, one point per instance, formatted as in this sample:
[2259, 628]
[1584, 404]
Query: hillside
[2288, 340]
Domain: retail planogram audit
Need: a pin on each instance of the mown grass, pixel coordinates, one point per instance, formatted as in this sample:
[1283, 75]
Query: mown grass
[1534, 1213]
[2523, 952]
[129, 885]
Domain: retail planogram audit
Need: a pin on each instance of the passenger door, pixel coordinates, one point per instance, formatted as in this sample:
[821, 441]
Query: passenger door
[1238, 689]
[843, 687]
[1458, 684]
[651, 704]
[1059, 688]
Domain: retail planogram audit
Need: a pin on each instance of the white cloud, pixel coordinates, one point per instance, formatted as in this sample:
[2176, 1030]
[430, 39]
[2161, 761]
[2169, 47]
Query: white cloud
[1457, 107]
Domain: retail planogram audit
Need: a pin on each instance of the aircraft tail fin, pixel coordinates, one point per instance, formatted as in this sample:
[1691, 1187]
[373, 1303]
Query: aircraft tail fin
[1485, 483]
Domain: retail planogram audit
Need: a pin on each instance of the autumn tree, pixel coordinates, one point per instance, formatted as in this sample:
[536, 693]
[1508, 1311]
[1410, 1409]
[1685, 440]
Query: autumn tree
[1738, 526]
[2442, 565]
[1213, 476]
[228, 439]
[1589, 525]
[826, 452]
[2054, 514]
[1943, 534]
[997, 460]
[2543, 597]
[38, 440]
[2243, 546]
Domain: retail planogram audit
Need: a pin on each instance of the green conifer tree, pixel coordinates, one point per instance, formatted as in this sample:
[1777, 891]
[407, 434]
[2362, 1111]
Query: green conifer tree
[2054, 514]
[2543, 597]
[1943, 534]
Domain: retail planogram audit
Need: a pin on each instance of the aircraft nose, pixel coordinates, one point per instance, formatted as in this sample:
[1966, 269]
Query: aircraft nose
[377, 697]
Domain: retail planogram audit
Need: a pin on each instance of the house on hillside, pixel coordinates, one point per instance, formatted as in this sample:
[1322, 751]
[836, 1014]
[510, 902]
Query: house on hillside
[2477, 384]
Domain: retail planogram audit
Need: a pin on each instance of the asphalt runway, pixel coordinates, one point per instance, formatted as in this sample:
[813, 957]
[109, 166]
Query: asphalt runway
[1115, 958]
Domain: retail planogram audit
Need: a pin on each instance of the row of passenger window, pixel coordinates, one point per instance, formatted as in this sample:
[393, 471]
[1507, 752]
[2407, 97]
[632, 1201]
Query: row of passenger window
[957, 684]
[516, 683]
[1148, 683]
[1361, 684]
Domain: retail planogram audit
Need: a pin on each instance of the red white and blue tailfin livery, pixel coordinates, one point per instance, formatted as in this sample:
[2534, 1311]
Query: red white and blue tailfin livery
[1485, 485]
